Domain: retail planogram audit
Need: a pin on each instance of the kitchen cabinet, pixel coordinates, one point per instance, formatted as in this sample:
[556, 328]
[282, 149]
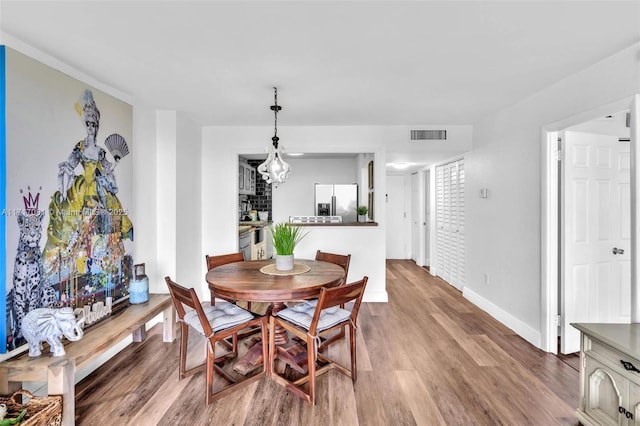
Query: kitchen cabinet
[270, 250]
[258, 243]
[259, 251]
[244, 242]
[609, 374]
[246, 179]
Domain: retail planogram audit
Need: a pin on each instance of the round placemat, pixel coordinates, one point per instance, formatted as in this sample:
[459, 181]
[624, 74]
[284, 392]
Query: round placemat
[298, 268]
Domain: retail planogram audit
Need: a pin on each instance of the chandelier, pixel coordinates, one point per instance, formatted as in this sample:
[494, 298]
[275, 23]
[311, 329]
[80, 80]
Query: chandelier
[274, 169]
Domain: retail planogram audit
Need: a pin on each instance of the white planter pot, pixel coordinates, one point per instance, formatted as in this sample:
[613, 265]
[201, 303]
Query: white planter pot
[284, 262]
[362, 218]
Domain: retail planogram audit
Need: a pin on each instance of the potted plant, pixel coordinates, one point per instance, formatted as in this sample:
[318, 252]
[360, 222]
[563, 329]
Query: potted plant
[284, 238]
[362, 213]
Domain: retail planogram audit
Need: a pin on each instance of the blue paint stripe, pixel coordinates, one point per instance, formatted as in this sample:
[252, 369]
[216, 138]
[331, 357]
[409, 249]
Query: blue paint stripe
[3, 202]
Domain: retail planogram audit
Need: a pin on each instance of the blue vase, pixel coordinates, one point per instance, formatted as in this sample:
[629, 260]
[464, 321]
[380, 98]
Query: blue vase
[139, 286]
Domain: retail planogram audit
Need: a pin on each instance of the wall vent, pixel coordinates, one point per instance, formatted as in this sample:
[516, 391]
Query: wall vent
[428, 135]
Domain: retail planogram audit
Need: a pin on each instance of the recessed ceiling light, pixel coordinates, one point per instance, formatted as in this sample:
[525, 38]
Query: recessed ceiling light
[295, 154]
[400, 166]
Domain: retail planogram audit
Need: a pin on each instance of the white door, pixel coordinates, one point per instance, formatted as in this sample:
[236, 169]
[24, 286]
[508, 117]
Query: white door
[427, 219]
[442, 227]
[459, 229]
[450, 223]
[595, 233]
[415, 219]
[396, 232]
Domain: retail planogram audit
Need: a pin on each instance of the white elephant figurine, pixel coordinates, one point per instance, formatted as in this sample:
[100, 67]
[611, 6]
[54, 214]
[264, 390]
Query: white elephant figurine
[49, 325]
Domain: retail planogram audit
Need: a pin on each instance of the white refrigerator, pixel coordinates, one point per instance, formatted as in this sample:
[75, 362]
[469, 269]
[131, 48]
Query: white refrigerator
[337, 200]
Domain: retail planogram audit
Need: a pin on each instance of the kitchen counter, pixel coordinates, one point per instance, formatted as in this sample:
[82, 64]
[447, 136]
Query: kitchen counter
[253, 223]
[338, 224]
[326, 221]
[244, 228]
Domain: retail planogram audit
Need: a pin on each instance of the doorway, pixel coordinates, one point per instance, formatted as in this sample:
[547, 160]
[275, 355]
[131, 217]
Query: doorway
[556, 302]
[397, 232]
[420, 217]
[595, 235]
[416, 207]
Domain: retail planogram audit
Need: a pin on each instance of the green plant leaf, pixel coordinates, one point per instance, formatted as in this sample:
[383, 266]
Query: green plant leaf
[285, 237]
[362, 210]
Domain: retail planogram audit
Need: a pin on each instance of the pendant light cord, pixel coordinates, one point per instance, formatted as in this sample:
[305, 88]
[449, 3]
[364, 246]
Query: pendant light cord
[275, 109]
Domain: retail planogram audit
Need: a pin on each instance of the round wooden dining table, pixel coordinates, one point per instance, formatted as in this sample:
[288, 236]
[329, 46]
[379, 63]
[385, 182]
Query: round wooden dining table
[244, 281]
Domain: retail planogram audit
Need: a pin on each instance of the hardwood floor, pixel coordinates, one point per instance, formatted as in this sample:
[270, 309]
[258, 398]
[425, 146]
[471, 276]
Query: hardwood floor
[428, 357]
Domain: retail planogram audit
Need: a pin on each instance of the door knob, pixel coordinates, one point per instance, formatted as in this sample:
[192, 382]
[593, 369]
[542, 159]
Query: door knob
[617, 251]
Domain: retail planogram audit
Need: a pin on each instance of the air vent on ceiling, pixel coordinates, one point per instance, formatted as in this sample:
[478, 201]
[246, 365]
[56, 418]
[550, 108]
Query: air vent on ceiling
[428, 135]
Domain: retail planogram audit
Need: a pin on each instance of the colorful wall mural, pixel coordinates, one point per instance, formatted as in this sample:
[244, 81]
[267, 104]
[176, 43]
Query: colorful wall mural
[68, 193]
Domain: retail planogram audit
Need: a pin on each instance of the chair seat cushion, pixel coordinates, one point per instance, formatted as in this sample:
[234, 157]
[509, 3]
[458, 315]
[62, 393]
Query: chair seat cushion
[312, 303]
[302, 315]
[221, 316]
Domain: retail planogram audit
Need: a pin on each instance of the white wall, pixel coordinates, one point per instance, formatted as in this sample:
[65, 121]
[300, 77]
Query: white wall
[503, 232]
[145, 197]
[168, 202]
[296, 197]
[189, 257]
[220, 149]
[165, 189]
[458, 140]
[614, 126]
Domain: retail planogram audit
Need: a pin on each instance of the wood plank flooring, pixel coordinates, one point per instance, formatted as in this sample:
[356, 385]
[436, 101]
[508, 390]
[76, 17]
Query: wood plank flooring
[428, 357]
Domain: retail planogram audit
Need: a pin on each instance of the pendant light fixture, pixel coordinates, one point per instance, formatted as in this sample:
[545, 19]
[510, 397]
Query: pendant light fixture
[274, 169]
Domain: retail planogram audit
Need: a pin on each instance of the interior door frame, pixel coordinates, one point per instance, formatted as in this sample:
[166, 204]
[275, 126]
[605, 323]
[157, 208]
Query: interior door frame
[549, 220]
[402, 228]
[422, 188]
[416, 202]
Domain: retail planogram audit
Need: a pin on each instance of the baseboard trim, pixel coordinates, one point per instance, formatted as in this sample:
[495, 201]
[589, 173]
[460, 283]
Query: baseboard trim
[525, 331]
[375, 296]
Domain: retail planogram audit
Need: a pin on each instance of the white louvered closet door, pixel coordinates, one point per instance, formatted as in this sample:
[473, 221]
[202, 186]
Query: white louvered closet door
[450, 261]
[440, 234]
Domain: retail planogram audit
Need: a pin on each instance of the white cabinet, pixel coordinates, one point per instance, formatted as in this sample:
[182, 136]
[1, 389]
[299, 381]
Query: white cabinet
[258, 243]
[246, 179]
[259, 251]
[609, 375]
[606, 393]
[253, 243]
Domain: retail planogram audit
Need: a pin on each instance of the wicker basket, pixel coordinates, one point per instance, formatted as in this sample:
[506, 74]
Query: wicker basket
[41, 410]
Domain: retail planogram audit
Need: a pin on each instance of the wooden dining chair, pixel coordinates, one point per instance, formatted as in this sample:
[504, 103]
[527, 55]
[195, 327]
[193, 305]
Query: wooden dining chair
[343, 261]
[223, 259]
[215, 323]
[306, 323]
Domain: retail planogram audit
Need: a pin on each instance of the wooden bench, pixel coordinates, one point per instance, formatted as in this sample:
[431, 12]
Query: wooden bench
[59, 372]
